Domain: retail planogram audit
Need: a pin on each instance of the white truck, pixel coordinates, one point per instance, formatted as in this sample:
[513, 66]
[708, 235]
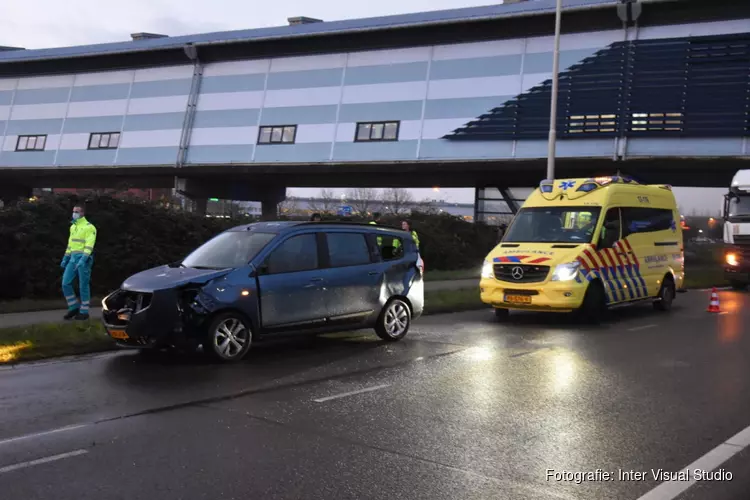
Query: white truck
[737, 231]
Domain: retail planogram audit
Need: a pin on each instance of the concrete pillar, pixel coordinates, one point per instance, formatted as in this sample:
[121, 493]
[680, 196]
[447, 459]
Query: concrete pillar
[200, 206]
[269, 209]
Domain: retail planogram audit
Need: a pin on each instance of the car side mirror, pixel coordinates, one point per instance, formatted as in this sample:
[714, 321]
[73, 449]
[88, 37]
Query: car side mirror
[260, 270]
[610, 226]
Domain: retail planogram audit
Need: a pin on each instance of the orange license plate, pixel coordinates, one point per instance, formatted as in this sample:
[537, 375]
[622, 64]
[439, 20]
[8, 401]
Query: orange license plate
[518, 299]
[118, 334]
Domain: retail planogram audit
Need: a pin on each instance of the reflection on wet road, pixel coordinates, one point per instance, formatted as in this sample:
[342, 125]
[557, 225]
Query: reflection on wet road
[463, 408]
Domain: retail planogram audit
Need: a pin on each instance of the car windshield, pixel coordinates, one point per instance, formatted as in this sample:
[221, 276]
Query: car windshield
[553, 225]
[739, 206]
[228, 250]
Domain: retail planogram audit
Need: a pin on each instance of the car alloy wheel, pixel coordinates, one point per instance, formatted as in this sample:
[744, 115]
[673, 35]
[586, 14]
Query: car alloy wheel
[230, 338]
[395, 320]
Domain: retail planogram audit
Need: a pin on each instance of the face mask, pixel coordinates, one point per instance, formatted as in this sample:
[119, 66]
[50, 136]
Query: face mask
[76, 215]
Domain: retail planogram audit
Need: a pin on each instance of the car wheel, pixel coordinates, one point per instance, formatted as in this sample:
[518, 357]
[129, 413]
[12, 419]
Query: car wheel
[666, 295]
[228, 337]
[738, 285]
[394, 321]
[594, 304]
[502, 314]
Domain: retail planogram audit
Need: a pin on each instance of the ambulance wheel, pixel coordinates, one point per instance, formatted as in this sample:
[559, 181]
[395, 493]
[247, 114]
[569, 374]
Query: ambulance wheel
[502, 314]
[594, 304]
[666, 295]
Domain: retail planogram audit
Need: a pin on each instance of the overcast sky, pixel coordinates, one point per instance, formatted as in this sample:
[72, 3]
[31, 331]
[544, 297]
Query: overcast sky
[50, 23]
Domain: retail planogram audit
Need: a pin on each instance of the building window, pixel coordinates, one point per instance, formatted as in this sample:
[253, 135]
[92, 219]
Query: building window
[107, 140]
[278, 134]
[31, 142]
[377, 131]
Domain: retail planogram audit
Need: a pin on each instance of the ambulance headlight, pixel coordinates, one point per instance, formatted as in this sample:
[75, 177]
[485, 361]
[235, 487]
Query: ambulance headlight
[566, 272]
[487, 271]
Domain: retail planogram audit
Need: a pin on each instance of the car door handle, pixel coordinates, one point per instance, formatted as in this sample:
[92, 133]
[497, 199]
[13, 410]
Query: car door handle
[316, 279]
[373, 273]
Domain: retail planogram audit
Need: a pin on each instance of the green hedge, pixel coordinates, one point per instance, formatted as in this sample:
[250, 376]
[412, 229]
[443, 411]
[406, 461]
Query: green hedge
[131, 236]
[134, 235]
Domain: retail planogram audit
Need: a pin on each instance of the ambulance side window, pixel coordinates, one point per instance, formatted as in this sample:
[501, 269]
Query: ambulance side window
[646, 220]
[610, 232]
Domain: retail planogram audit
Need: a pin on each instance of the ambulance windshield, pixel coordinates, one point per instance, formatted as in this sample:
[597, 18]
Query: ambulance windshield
[553, 225]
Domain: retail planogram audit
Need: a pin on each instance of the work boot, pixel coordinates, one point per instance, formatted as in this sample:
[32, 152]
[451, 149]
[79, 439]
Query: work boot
[81, 317]
[71, 314]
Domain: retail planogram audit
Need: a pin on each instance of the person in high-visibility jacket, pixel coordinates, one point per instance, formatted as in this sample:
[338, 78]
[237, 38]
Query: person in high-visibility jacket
[78, 261]
[375, 221]
[406, 226]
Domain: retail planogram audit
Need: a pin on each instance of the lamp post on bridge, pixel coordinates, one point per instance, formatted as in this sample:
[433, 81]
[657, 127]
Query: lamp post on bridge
[553, 105]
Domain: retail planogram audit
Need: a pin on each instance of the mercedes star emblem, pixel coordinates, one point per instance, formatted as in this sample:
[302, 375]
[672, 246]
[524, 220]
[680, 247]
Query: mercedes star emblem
[517, 273]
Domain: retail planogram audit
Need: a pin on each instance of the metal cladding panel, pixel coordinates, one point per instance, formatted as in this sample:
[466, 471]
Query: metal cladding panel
[681, 87]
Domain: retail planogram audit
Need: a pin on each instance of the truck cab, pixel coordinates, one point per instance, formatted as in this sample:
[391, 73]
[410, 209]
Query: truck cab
[737, 231]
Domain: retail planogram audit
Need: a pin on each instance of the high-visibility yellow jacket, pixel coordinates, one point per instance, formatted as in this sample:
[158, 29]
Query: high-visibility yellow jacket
[414, 235]
[380, 238]
[82, 238]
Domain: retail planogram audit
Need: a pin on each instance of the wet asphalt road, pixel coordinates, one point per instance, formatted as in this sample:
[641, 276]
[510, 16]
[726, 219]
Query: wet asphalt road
[463, 408]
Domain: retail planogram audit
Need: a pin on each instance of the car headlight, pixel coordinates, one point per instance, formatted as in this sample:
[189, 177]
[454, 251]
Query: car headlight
[487, 270]
[732, 259]
[566, 272]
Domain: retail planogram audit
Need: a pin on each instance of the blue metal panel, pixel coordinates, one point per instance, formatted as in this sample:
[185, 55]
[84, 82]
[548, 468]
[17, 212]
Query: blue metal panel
[299, 115]
[673, 87]
[586, 148]
[305, 79]
[6, 97]
[380, 111]
[48, 126]
[232, 83]
[387, 73]
[542, 62]
[27, 158]
[439, 148]
[161, 88]
[100, 92]
[220, 154]
[92, 124]
[476, 67]
[461, 107]
[730, 146]
[155, 121]
[384, 151]
[384, 22]
[41, 96]
[166, 155]
[85, 157]
[293, 153]
[226, 118]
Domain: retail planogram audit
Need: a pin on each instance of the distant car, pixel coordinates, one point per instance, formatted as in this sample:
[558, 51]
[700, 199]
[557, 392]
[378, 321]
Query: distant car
[271, 277]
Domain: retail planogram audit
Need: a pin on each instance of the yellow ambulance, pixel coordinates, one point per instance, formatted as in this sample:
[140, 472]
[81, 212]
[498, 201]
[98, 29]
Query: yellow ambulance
[586, 245]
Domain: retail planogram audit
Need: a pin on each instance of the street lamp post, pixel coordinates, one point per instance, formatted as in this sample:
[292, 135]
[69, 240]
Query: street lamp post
[553, 104]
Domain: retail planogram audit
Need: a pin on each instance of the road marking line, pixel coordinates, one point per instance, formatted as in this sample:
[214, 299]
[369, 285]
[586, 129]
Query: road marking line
[39, 434]
[40, 461]
[345, 394]
[642, 327]
[670, 490]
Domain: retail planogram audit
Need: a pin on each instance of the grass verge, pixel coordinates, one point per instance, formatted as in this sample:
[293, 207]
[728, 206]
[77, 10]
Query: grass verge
[457, 274]
[34, 305]
[49, 340]
[33, 342]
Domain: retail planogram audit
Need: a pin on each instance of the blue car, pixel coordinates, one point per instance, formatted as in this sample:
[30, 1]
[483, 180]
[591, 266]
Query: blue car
[269, 278]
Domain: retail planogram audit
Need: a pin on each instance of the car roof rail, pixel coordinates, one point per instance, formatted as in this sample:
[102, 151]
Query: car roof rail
[344, 223]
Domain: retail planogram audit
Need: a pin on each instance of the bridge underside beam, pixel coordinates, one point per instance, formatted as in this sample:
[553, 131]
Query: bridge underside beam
[688, 172]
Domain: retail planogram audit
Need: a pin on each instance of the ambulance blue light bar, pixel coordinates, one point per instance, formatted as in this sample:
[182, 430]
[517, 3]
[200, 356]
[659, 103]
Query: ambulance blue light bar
[547, 185]
[587, 186]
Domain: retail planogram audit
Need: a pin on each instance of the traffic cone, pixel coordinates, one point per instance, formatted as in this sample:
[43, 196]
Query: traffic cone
[713, 306]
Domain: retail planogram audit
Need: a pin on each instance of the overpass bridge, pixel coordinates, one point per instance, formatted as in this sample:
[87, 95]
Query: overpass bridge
[456, 98]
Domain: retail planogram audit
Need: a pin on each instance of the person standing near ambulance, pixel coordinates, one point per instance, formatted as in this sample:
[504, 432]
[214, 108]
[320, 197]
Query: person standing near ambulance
[78, 261]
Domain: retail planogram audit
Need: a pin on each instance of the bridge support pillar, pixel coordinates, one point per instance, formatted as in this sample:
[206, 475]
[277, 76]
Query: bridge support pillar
[200, 206]
[200, 190]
